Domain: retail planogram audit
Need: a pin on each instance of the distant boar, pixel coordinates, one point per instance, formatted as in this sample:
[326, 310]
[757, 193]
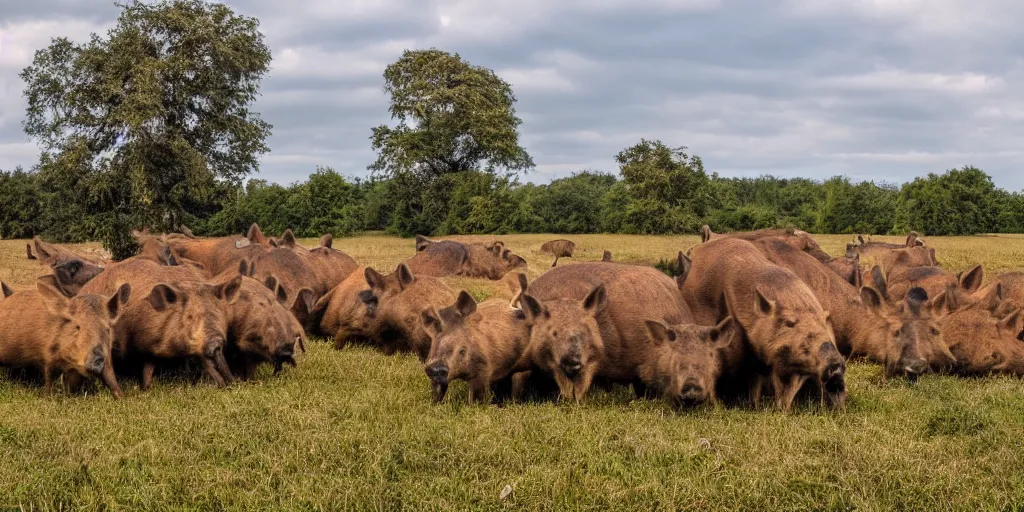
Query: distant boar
[53, 254]
[607, 256]
[43, 329]
[933, 279]
[176, 315]
[559, 249]
[400, 298]
[479, 344]
[985, 344]
[439, 259]
[219, 254]
[905, 340]
[443, 258]
[593, 320]
[800, 240]
[787, 329]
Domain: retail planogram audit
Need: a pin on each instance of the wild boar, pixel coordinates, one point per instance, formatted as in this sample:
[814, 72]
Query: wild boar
[476, 343]
[905, 340]
[559, 249]
[294, 273]
[439, 259]
[400, 298]
[847, 268]
[444, 258]
[349, 313]
[261, 328]
[592, 321]
[177, 315]
[986, 344]
[801, 240]
[934, 280]
[219, 254]
[330, 265]
[72, 337]
[694, 369]
[607, 256]
[786, 328]
[53, 254]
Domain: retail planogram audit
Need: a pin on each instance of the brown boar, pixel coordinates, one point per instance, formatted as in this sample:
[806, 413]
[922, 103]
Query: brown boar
[53, 254]
[261, 328]
[905, 340]
[986, 344]
[786, 328]
[695, 368]
[294, 273]
[847, 268]
[801, 240]
[349, 312]
[401, 296]
[1009, 288]
[217, 255]
[592, 320]
[607, 256]
[439, 259]
[559, 249]
[177, 315]
[72, 337]
[934, 280]
[330, 265]
[476, 343]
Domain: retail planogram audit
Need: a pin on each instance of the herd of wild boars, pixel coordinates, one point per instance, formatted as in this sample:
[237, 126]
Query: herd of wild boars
[750, 316]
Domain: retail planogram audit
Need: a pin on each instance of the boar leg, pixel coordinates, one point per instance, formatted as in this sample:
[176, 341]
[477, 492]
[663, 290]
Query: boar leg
[756, 388]
[519, 383]
[110, 380]
[48, 379]
[477, 391]
[147, 375]
[785, 392]
[339, 341]
[640, 389]
[73, 382]
[211, 370]
[555, 262]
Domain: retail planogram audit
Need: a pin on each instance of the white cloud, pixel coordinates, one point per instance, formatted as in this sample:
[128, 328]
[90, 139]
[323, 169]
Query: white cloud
[901, 80]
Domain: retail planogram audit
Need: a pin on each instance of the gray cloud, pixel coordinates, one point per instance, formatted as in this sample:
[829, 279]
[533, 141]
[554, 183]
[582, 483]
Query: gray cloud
[883, 90]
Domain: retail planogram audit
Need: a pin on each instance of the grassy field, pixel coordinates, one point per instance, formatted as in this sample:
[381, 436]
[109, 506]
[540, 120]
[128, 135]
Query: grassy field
[355, 430]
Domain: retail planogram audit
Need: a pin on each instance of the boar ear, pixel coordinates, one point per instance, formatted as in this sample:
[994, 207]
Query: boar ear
[992, 299]
[931, 254]
[281, 294]
[943, 303]
[531, 307]
[659, 332]
[162, 296]
[912, 239]
[28, 249]
[465, 304]
[856, 278]
[6, 290]
[115, 305]
[872, 299]
[762, 305]
[305, 301]
[422, 242]
[723, 334]
[596, 300]
[270, 282]
[879, 282]
[860, 240]
[705, 233]
[41, 249]
[244, 268]
[684, 268]
[327, 241]
[255, 234]
[374, 279]
[915, 300]
[430, 321]
[54, 300]
[971, 280]
[405, 277]
[169, 257]
[523, 283]
[288, 239]
[228, 291]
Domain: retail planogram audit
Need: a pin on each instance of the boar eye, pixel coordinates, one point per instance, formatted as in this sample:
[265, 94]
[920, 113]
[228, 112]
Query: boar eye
[935, 332]
[462, 351]
[896, 333]
[790, 323]
[554, 333]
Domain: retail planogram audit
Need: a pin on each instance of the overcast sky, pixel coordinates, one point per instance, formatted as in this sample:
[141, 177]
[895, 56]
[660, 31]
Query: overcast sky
[874, 89]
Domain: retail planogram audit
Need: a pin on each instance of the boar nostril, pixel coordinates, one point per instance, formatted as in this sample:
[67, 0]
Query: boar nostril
[692, 389]
[915, 367]
[438, 371]
[571, 367]
[286, 351]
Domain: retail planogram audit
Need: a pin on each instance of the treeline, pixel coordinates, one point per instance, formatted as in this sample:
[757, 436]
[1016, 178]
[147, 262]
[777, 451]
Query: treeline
[649, 196]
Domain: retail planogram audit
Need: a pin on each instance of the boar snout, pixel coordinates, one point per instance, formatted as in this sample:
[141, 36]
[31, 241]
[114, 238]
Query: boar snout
[914, 367]
[571, 366]
[96, 361]
[438, 372]
[691, 395]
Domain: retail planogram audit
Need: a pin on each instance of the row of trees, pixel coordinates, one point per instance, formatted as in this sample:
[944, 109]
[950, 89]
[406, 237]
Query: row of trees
[150, 126]
[649, 196]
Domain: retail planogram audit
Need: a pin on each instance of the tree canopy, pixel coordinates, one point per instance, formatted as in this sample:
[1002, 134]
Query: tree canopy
[140, 124]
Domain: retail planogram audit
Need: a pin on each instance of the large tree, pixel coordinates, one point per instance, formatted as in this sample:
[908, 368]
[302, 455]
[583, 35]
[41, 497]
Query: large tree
[453, 117]
[145, 120]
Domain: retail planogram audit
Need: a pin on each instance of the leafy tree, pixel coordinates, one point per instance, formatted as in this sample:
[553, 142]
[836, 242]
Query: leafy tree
[153, 113]
[958, 202]
[453, 117]
[20, 204]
